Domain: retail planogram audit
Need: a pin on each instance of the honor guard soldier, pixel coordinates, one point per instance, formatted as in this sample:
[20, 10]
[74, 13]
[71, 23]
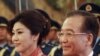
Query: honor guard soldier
[51, 39]
[94, 9]
[5, 49]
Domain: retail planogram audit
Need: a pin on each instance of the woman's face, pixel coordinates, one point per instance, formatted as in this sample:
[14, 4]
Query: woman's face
[22, 37]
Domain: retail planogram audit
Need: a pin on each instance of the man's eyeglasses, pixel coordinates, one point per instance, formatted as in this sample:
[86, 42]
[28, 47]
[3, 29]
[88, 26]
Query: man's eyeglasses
[69, 34]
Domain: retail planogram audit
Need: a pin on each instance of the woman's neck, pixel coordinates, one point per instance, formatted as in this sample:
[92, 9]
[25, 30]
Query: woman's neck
[29, 51]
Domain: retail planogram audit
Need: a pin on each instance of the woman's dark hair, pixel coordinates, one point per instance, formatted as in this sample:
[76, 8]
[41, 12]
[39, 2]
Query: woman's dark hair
[45, 14]
[52, 22]
[34, 21]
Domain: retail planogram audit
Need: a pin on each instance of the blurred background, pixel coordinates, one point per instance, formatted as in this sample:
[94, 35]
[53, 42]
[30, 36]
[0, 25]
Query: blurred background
[56, 9]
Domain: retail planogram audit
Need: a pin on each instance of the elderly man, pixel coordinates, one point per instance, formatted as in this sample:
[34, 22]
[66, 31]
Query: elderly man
[94, 9]
[78, 34]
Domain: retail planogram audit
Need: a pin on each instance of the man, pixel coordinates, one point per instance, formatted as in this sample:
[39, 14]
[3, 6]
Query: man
[94, 9]
[3, 31]
[3, 36]
[78, 34]
[5, 49]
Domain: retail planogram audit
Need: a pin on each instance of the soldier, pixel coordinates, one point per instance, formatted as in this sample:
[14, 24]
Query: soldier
[50, 40]
[5, 48]
[94, 9]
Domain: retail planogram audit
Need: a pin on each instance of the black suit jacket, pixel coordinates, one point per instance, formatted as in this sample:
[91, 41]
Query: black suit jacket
[97, 48]
[95, 54]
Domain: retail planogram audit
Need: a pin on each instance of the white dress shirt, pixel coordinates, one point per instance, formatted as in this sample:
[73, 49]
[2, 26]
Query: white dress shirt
[91, 53]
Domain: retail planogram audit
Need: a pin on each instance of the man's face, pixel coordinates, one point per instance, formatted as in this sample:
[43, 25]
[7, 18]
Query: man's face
[52, 35]
[3, 33]
[72, 40]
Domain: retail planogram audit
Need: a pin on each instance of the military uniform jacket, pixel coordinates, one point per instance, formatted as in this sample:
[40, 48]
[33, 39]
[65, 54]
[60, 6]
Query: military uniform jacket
[46, 47]
[8, 51]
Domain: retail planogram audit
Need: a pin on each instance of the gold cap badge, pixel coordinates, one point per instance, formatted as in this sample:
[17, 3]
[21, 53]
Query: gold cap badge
[88, 8]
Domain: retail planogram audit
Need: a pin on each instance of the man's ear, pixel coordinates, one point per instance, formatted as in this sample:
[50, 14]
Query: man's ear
[90, 38]
[35, 37]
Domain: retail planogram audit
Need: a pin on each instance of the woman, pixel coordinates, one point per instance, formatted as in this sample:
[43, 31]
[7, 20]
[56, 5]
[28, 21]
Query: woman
[50, 40]
[28, 29]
